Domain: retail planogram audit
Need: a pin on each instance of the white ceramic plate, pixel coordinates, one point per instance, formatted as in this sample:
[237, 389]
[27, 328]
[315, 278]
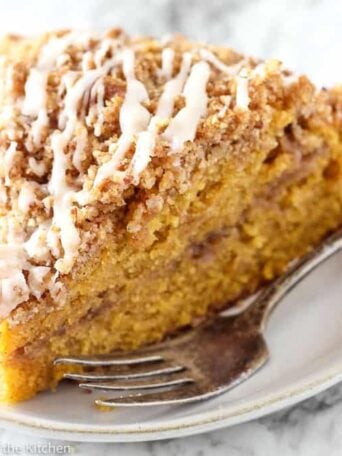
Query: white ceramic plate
[305, 340]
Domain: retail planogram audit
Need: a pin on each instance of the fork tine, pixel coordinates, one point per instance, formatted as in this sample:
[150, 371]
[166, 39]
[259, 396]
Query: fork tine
[124, 376]
[182, 395]
[144, 384]
[109, 360]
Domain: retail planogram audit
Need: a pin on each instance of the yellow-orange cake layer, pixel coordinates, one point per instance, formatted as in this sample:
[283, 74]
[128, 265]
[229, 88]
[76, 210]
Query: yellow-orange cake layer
[169, 236]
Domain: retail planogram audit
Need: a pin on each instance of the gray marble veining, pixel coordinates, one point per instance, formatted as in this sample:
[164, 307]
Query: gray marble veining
[306, 34]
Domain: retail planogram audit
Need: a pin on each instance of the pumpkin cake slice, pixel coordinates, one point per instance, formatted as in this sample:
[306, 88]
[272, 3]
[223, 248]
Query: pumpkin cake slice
[144, 185]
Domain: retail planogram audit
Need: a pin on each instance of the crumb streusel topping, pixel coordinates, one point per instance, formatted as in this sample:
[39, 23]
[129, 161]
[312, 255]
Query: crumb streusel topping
[81, 120]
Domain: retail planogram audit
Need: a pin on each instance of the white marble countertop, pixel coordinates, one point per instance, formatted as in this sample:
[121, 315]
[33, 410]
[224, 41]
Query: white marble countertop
[306, 34]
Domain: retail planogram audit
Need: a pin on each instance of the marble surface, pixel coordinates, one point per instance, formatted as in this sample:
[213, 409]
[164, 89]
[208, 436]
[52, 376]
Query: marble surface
[306, 34]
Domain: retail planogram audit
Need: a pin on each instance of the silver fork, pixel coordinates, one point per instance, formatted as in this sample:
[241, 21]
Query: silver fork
[202, 362]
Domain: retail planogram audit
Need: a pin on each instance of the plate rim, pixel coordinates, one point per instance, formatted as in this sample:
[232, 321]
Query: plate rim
[180, 427]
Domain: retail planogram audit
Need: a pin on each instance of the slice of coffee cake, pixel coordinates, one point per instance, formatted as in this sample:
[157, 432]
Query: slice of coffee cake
[145, 185]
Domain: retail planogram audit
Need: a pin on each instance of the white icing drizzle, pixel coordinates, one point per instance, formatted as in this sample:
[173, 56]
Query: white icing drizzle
[36, 246]
[13, 286]
[143, 151]
[173, 88]
[134, 117]
[63, 199]
[9, 160]
[242, 96]
[14, 290]
[12, 257]
[9, 79]
[6, 115]
[81, 142]
[35, 88]
[74, 95]
[146, 139]
[15, 232]
[100, 55]
[168, 56]
[56, 46]
[95, 96]
[241, 77]
[184, 125]
[36, 278]
[67, 81]
[231, 70]
[35, 93]
[39, 169]
[99, 106]
[96, 101]
[38, 125]
[87, 61]
[226, 100]
[27, 196]
[3, 194]
[64, 194]
[35, 103]
[53, 241]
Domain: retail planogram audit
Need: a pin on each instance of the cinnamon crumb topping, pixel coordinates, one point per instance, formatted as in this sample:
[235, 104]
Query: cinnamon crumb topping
[84, 120]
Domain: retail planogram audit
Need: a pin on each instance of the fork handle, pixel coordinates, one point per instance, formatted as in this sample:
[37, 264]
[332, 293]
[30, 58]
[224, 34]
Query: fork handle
[258, 313]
